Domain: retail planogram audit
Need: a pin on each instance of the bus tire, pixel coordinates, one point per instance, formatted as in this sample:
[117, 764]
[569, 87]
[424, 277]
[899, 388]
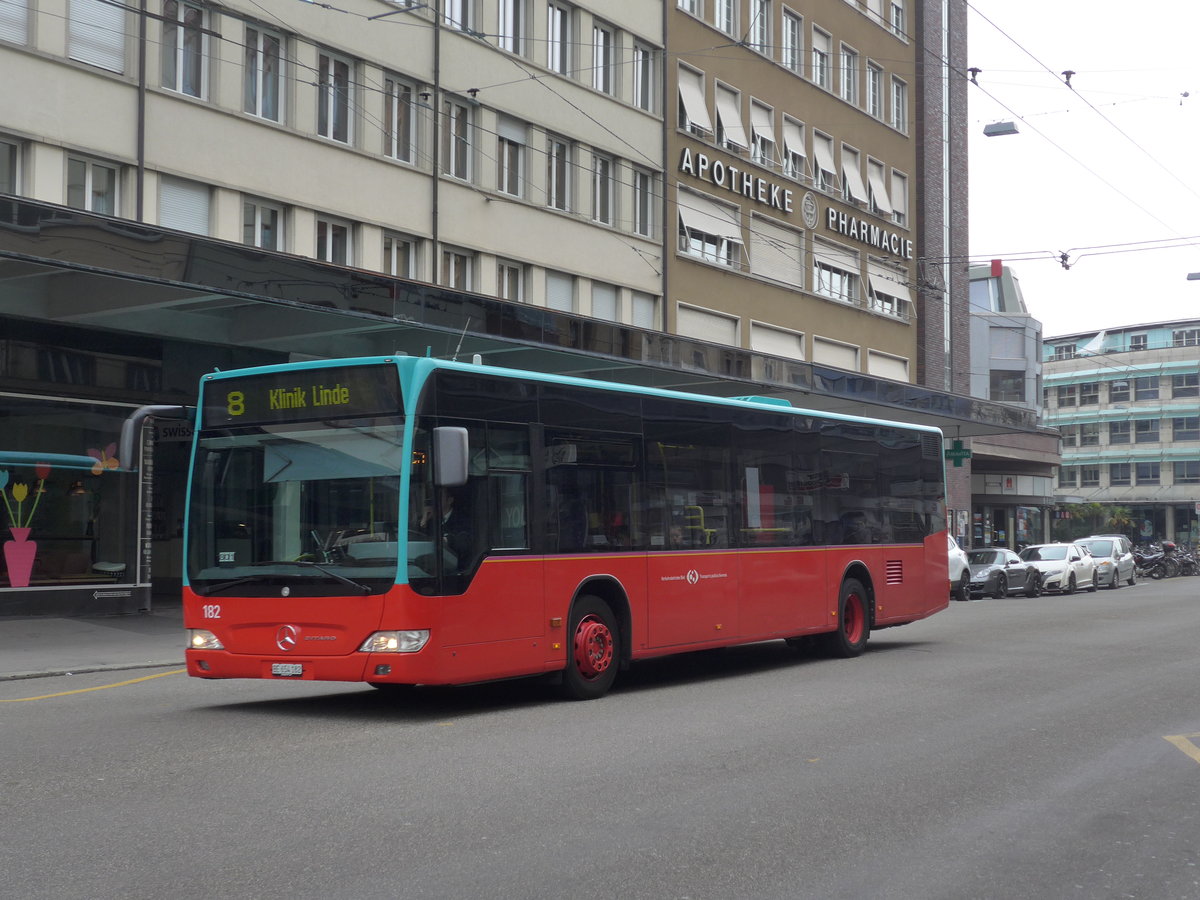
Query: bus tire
[593, 654]
[854, 622]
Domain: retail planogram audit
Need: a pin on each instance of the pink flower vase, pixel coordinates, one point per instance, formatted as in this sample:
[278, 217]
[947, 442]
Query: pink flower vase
[19, 554]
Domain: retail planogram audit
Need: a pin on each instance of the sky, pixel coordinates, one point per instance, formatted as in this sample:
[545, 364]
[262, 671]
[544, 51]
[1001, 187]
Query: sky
[1105, 170]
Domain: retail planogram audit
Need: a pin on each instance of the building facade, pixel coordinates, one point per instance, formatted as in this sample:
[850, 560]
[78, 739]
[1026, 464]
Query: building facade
[202, 186]
[1127, 403]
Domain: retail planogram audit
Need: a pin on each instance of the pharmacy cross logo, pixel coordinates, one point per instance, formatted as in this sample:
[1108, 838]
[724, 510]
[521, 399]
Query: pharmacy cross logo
[285, 637]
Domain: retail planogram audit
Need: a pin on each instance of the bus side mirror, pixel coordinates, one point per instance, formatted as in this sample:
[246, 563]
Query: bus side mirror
[449, 456]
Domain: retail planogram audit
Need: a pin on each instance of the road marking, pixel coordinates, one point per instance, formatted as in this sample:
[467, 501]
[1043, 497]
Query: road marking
[102, 687]
[1185, 743]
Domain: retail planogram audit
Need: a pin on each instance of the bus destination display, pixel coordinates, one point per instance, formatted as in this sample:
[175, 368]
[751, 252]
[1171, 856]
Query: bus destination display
[301, 394]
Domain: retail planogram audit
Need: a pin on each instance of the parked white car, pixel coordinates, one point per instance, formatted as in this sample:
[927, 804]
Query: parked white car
[960, 571]
[1114, 559]
[1065, 567]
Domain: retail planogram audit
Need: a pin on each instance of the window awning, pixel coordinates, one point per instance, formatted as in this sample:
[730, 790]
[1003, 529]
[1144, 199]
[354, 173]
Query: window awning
[889, 283]
[709, 217]
[760, 121]
[879, 190]
[793, 138]
[691, 95]
[835, 256]
[823, 150]
[853, 177]
[732, 130]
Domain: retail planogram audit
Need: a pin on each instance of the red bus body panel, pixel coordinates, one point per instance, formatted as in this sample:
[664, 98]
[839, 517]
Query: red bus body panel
[513, 619]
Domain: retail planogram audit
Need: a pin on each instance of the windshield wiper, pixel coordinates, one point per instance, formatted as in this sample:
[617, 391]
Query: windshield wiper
[247, 579]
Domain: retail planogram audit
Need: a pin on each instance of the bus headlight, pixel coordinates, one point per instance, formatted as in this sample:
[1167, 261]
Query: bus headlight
[202, 639]
[395, 641]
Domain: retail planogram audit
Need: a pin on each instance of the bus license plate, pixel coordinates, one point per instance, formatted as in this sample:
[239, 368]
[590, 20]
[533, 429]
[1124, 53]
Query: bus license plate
[287, 669]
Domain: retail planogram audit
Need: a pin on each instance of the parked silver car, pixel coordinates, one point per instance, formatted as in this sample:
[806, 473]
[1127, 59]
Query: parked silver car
[1065, 567]
[1114, 559]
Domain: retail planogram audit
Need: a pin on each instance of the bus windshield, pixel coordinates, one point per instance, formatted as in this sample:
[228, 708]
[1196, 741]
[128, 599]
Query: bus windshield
[309, 508]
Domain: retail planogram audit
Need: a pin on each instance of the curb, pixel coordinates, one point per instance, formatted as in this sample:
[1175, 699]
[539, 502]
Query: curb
[85, 670]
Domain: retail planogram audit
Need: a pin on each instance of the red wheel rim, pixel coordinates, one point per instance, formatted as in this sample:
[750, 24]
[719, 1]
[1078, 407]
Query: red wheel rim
[853, 618]
[593, 647]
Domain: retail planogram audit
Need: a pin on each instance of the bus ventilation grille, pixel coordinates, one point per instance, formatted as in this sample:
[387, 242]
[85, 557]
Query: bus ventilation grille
[895, 571]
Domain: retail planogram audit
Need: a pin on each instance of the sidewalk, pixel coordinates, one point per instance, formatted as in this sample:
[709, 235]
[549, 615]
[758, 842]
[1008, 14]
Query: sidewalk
[42, 645]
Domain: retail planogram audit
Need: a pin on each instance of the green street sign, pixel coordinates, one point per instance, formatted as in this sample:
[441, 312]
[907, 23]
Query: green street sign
[958, 453]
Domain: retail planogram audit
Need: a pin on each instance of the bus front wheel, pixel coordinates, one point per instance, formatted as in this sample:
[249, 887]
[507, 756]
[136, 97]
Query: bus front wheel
[592, 655]
[854, 623]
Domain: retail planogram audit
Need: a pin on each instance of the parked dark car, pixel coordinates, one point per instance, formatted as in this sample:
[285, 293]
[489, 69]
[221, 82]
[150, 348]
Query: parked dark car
[998, 572]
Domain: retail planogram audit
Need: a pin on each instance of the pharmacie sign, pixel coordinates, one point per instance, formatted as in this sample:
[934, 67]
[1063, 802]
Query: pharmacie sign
[754, 187]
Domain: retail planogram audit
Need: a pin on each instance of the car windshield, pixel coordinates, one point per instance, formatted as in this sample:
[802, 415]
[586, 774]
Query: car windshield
[1035, 554]
[983, 557]
[1100, 548]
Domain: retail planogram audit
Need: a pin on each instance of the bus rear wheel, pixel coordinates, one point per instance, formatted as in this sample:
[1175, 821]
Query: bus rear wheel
[854, 623]
[593, 655]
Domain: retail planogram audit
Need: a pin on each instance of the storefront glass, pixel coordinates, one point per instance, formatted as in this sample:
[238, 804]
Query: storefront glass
[67, 511]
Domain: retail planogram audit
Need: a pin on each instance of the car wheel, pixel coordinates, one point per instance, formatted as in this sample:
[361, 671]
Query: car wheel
[1115, 584]
[1132, 580]
[1092, 584]
[962, 590]
[1001, 586]
[1033, 585]
[1069, 588]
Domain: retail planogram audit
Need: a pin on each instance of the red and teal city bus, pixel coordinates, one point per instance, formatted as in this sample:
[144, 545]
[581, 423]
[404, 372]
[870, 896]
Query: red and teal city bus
[405, 521]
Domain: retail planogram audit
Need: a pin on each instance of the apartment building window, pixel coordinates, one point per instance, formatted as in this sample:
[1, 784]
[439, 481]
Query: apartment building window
[1068, 435]
[96, 33]
[399, 133]
[510, 156]
[645, 79]
[821, 50]
[760, 25]
[558, 174]
[560, 291]
[1089, 476]
[1138, 341]
[1068, 476]
[1186, 337]
[693, 108]
[14, 21]
[333, 97]
[1185, 385]
[645, 310]
[725, 16]
[853, 189]
[709, 230]
[558, 38]
[849, 75]
[1089, 393]
[457, 269]
[262, 225]
[602, 188]
[1119, 474]
[874, 90]
[1147, 472]
[263, 87]
[776, 252]
[334, 241]
[730, 133]
[9, 160]
[1007, 386]
[1145, 431]
[877, 191]
[456, 139]
[1089, 434]
[898, 19]
[644, 202]
[835, 274]
[92, 186]
[762, 137]
[183, 46]
[510, 281]
[511, 26]
[1067, 395]
[689, 6]
[184, 205]
[899, 105]
[1186, 428]
[458, 14]
[792, 42]
[400, 255]
[1118, 391]
[824, 172]
[1145, 388]
[1063, 351]
[793, 149]
[604, 301]
[603, 44]
[1187, 472]
[1118, 432]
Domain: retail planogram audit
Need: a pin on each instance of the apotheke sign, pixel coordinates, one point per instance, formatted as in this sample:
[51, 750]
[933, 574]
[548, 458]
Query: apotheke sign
[753, 187]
